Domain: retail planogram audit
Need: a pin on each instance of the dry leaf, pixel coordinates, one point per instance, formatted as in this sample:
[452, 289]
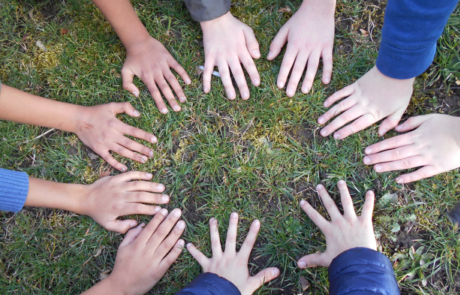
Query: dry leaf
[31, 13]
[199, 71]
[104, 274]
[117, 75]
[457, 82]
[304, 283]
[41, 45]
[364, 32]
[105, 173]
[99, 250]
[93, 156]
[285, 9]
[64, 31]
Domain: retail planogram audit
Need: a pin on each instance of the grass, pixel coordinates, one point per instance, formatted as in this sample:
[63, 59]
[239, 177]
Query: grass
[258, 157]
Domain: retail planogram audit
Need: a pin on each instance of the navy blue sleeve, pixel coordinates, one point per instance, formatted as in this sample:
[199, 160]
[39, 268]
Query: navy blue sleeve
[362, 271]
[409, 34]
[14, 187]
[209, 284]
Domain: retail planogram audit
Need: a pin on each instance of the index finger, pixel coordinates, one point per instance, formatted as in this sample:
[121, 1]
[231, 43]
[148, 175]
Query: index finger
[330, 205]
[248, 244]
[390, 143]
[230, 244]
[138, 133]
[317, 218]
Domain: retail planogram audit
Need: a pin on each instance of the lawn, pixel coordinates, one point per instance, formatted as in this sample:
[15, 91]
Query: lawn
[258, 157]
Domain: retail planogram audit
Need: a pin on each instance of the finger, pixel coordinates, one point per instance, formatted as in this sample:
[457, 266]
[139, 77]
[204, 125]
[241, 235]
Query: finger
[348, 116]
[264, 276]
[360, 124]
[207, 74]
[317, 218]
[392, 155]
[250, 67]
[134, 146]
[230, 244]
[330, 205]
[199, 257]
[347, 202]
[296, 74]
[122, 151]
[424, 172]
[347, 91]
[136, 208]
[180, 70]
[251, 42]
[337, 109]
[166, 90]
[326, 55]
[391, 122]
[146, 198]
[141, 134]
[313, 260]
[312, 68]
[240, 79]
[171, 239]
[248, 244]
[407, 163]
[390, 143]
[156, 96]
[152, 226]
[128, 176]
[120, 226]
[164, 229]
[132, 235]
[175, 85]
[166, 263]
[127, 78]
[215, 239]
[286, 65]
[144, 186]
[112, 162]
[368, 207]
[226, 80]
[278, 43]
[124, 107]
[412, 123]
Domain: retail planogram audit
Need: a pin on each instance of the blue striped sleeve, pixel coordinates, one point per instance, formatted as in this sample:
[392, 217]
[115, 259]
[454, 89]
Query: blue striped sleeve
[14, 187]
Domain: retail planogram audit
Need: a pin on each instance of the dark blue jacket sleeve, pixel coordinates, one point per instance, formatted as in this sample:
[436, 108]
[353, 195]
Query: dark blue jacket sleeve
[209, 284]
[409, 34]
[14, 187]
[362, 271]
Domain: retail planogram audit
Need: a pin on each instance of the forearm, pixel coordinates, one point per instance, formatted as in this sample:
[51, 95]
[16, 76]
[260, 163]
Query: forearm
[23, 107]
[321, 7]
[124, 20]
[104, 287]
[50, 194]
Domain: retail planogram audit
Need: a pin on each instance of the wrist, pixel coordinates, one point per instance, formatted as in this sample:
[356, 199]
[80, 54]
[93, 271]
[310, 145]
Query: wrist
[139, 40]
[206, 25]
[320, 6]
[76, 199]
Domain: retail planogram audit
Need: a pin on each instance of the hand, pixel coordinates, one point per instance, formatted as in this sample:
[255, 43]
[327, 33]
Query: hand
[435, 145]
[100, 129]
[310, 35]
[229, 264]
[229, 42]
[151, 62]
[144, 256]
[370, 99]
[343, 232]
[113, 196]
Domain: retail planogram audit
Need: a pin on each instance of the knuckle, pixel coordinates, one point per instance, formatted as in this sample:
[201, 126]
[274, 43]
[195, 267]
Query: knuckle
[405, 163]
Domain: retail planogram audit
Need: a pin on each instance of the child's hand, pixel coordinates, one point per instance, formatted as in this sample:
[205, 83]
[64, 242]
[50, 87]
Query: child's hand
[113, 196]
[370, 99]
[100, 129]
[151, 62]
[145, 255]
[343, 232]
[435, 145]
[229, 264]
[230, 43]
[310, 35]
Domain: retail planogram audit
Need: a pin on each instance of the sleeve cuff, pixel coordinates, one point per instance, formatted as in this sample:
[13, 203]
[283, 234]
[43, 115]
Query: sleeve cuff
[206, 10]
[210, 284]
[14, 187]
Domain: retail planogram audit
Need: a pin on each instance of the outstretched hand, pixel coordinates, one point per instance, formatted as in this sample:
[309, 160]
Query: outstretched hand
[310, 36]
[343, 232]
[113, 196]
[434, 145]
[102, 131]
[151, 62]
[370, 99]
[231, 265]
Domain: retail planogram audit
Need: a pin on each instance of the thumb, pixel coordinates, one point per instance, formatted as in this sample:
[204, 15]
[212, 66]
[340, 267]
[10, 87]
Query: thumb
[312, 260]
[127, 77]
[264, 276]
[390, 122]
[122, 226]
[251, 43]
[125, 107]
[278, 43]
[412, 123]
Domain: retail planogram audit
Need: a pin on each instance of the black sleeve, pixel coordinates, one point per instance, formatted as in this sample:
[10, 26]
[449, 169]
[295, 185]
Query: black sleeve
[204, 10]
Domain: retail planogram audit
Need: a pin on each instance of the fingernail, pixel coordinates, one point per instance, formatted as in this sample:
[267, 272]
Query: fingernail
[256, 53]
[290, 92]
[135, 93]
[368, 150]
[325, 104]
[256, 82]
[336, 136]
[148, 175]
[142, 224]
[133, 224]
[189, 245]
[377, 168]
[280, 84]
[269, 54]
[256, 222]
[399, 127]
[341, 182]
[305, 90]
[177, 212]
[320, 120]
[183, 99]
[231, 95]
[302, 202]
[302, 264]
[181, 244]
[157, 209]
[327, 80]
[275, 272]
[383, 132]
[181, 224]
[136, 113]
[206, 89]
[367, 160]
[143, 159]
[154, 139]
[165, 198]
[399, 180]
[319, 187]
[124, 169]
[188, 81]
[177, 108]
[164, 111]
[161, 187]
[245, 95]
[163, 211]
[234, 215]
[323, 132]
[151, 154]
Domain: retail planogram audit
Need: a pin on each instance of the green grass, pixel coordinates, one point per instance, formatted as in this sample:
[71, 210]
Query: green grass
[256, 157]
